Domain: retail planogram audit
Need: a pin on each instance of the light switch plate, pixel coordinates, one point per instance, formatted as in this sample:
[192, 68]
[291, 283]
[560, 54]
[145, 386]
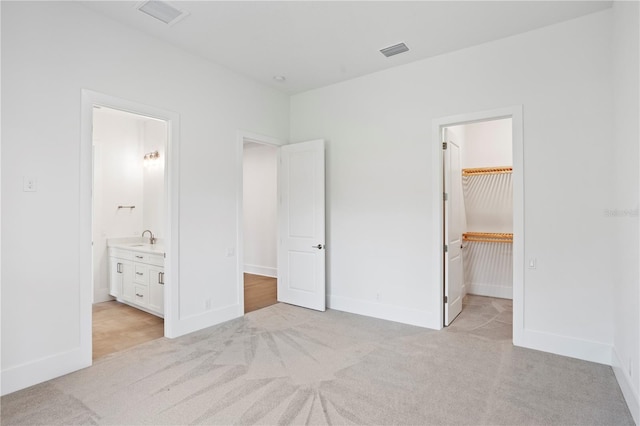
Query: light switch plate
[29, 184]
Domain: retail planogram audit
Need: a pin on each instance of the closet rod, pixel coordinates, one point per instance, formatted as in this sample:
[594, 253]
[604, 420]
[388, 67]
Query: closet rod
[487, 237]
[486, 171]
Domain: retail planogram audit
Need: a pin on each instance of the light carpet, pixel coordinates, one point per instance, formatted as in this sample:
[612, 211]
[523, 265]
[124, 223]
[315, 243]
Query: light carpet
[288, 365]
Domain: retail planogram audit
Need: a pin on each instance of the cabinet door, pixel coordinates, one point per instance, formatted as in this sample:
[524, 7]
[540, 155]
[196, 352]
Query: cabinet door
[127, 280]
[156, 289]
[119, 271]
[115, 277]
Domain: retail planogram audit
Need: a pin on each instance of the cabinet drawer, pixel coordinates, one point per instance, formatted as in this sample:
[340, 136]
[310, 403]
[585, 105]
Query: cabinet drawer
[120, 253]
[140, 273]
[151, 259]
[140, 295]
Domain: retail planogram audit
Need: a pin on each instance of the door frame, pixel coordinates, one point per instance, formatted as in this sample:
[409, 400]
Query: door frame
[241, 138]
[437, 266]
[89, 99]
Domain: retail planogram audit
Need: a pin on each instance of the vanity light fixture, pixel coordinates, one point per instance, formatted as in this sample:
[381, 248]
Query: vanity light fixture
[151, 157]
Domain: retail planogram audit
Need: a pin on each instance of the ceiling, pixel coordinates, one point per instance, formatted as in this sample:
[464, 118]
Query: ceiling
[317, 43]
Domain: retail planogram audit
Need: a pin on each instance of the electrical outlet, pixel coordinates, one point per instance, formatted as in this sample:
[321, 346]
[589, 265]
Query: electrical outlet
[29, 184]
[230, 251]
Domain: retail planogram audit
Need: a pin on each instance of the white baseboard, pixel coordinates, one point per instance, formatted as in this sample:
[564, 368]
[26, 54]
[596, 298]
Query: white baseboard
[490, 290]
[567, 346]
[266, 271]
[386, 312]
[38, 371]
[192, 323]
[629, 392]
[101, 295]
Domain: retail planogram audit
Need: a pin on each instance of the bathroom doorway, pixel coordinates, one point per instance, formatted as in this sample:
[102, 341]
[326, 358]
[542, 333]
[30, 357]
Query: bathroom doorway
[128, 229]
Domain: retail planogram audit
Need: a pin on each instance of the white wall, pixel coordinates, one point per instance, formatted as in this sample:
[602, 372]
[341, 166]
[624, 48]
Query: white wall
[260, 209]
[379, 189]
[50, 52]
[622, 213]
[488, 144]
[118, 151]
[488, 199]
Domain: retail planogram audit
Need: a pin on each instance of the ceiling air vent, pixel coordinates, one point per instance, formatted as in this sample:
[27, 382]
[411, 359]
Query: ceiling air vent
[162, 11]
[394, 50]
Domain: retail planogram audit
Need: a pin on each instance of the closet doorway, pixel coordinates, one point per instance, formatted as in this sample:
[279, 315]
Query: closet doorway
[481, 212]
[478, 227]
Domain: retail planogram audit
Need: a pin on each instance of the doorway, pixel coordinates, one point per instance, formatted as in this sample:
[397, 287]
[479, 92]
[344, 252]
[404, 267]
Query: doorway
[516, 241]
[257, 220]
[129, 150]
[260, 224]
[478, 228]
[300, 230]
[159, 266]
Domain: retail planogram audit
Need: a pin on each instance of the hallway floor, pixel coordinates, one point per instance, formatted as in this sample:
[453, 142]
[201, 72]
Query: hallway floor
[259, 292]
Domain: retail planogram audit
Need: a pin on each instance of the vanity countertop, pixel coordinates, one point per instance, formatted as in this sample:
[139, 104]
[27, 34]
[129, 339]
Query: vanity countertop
[141, 247]
[157, 248]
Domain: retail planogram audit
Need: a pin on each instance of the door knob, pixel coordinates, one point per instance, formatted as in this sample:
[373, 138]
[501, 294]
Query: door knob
[319, 246]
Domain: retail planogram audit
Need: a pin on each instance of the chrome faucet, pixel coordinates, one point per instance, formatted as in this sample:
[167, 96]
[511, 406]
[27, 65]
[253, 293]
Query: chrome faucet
[152, 239]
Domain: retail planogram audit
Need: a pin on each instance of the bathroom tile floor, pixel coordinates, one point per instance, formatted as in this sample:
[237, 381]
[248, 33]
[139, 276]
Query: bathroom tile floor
[488, 318]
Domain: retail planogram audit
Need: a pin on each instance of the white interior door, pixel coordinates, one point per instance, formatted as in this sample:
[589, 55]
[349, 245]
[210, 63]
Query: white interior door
[301, 239]
[453, 224]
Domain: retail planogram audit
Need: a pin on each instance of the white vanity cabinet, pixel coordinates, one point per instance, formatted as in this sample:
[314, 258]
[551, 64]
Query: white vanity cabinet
[121, 274]
[156, 289]
[137, 278]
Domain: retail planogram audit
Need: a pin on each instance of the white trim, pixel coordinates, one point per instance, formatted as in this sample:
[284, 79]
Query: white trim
[515, 113]
[567, 346]
[241, 138]
[43, 369]
[101, 295]
[199, 321]
[490, 290]
[626, 386]
[386, 312]
[266, 271]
